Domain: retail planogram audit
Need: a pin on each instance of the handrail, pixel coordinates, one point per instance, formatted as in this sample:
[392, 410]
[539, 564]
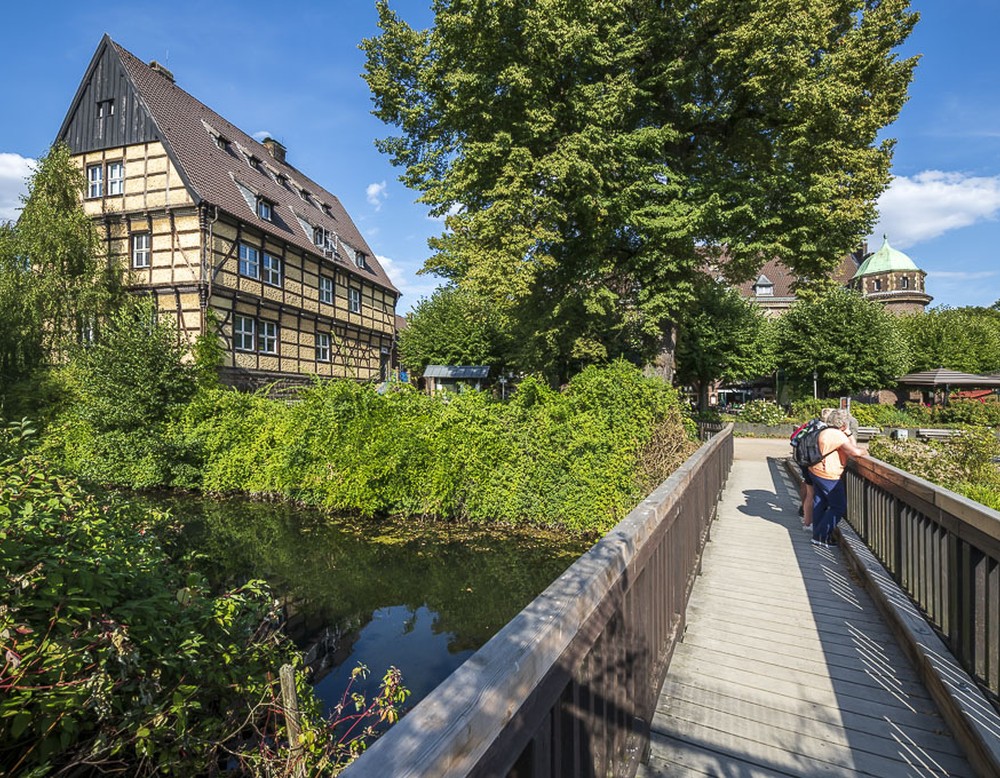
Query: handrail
[943, 550]
[569, 686]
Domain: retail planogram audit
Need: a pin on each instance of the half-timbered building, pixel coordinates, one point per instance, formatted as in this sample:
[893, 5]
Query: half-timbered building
[205, 217]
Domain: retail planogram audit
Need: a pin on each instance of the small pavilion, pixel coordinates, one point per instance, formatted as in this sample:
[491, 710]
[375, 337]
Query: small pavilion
[946, 380]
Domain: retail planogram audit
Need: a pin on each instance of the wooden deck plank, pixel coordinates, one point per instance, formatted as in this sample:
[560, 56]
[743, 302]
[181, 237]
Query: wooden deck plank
[786, 667]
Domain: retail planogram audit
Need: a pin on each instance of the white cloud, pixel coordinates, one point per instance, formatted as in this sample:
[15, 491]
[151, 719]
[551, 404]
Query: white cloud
[14, 169]
[261, 134]
[959, 275]
[934, 202]
[376, 194]
[406, 280]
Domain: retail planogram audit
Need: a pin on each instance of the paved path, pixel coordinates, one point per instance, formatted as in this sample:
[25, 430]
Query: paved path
[786, 668]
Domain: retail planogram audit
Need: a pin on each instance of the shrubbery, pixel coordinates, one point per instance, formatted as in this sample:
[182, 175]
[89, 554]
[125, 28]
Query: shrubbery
[580, 458]
[762, 412]
[963, 463]
[119, 659]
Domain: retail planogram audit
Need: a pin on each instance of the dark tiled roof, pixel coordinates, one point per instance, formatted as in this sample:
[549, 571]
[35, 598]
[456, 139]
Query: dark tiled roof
[185, 125]
[783, 278]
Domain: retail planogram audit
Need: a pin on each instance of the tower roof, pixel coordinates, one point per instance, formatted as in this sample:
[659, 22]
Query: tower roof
[884, 260]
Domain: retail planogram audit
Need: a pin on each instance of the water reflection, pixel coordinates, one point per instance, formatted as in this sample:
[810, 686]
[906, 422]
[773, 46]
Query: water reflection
[420, 597]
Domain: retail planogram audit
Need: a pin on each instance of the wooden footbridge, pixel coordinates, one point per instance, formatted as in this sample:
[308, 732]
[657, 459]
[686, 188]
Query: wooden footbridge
[708, 637]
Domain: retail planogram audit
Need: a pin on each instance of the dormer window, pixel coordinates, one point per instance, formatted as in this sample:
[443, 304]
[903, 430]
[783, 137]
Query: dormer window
[304, 194]
[282, 179]
[222, 143]
[265, 209]
[254, 162]
[319, 236]
[764, 287]
[361, 260]
[326, 209]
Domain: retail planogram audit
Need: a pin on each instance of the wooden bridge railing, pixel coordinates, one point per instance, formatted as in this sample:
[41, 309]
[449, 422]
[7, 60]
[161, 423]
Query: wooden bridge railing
[943, 550]
[569, 686]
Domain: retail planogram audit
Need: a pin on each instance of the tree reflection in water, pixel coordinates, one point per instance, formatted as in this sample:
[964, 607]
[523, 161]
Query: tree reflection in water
[419, 596]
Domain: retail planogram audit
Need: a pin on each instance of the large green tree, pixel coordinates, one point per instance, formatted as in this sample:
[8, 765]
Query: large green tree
[964, 339]
[452, 327]
[851, 343]
[591, 156]
[722, 336]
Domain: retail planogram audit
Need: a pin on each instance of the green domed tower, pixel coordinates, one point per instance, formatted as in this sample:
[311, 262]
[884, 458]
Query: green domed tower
[890, 277]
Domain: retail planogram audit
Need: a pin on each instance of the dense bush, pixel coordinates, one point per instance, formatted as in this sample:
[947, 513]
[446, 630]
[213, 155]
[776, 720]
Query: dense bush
[808, 408]
[119, 659]
[985, 414]
[963, 463]
[122, 391]
[580, 458]
[877, 415]
[762, 412]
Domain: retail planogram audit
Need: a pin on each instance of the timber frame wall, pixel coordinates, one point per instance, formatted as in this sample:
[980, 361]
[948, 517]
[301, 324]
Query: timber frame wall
[194, 264]
[178, 193]
[569, 686]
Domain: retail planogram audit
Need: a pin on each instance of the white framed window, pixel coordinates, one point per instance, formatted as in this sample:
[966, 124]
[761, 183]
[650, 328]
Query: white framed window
[267, 340]
[95, 180]
[264, 209]
[878, 284]
[360, 259]
[221, 142]
[322, 347]
[904, 282]
[244, 333]
[141, 249]
[319, 236]
[272, 270]
[249, 261]
[354, 300]
[116, 178]
[105, 108]
[326, 290]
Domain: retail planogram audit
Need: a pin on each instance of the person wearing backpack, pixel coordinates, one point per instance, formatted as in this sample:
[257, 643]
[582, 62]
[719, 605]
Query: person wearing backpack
[836, 445]
[806, 491]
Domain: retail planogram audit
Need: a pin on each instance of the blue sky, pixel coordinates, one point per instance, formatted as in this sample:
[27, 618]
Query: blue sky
[292, 69]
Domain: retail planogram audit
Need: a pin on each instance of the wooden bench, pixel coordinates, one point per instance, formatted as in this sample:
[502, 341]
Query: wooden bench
[936, 434]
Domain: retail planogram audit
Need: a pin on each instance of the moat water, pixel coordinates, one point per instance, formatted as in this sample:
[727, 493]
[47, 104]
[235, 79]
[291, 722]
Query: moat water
[420, 596]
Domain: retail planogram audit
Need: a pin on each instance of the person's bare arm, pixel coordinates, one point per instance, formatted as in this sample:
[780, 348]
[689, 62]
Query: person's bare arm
[852, 449]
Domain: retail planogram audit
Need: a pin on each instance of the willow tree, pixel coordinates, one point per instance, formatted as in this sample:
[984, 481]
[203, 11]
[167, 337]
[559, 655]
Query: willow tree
[589, 156]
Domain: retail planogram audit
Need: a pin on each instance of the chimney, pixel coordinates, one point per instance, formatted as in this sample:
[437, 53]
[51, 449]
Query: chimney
[275, 149]
[162, 71]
